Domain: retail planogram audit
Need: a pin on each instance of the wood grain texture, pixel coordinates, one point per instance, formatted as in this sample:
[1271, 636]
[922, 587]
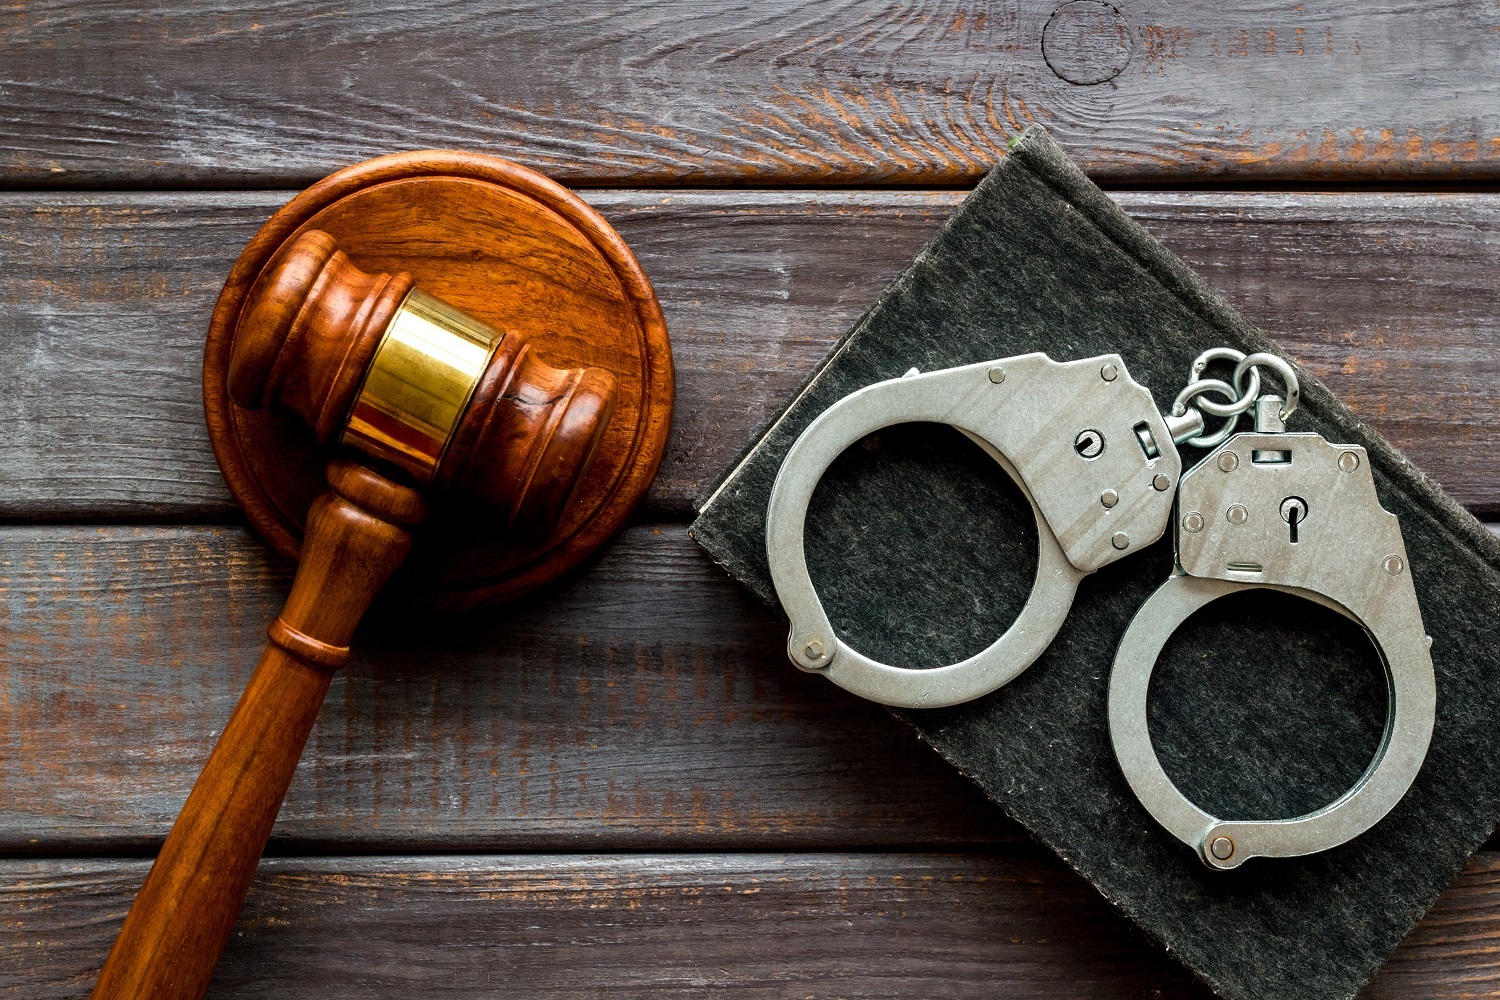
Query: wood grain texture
[518, 252]
[644, 704]
[643, 926]
[104, 298]
[782, 92]
[358, 534]
[1014, 925]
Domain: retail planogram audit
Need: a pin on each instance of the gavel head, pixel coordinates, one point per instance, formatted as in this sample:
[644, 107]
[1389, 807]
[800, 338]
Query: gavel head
[373, 363]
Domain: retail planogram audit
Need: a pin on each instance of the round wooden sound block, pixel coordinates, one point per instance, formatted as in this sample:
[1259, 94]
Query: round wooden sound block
[509, 247]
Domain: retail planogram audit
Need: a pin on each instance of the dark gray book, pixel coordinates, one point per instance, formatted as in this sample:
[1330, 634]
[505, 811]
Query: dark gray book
[1262, 706]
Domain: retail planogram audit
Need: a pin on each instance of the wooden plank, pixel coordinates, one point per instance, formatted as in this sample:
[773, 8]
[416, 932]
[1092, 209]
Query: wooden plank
[847, 925]
[104, 300]
[1010, 925]
[643, 704]
[788, 92]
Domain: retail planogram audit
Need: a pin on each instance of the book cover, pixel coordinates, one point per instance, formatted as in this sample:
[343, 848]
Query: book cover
[1263, 705]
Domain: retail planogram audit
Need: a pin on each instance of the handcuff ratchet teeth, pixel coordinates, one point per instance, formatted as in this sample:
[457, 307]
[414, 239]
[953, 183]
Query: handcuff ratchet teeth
[1088, 447]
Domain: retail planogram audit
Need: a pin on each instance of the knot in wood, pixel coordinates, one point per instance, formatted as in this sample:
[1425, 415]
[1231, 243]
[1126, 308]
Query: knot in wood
[1087, 42]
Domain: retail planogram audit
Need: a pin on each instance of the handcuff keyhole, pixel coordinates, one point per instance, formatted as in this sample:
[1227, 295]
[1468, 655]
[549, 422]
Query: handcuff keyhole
[1089, 444]
[1293, 512]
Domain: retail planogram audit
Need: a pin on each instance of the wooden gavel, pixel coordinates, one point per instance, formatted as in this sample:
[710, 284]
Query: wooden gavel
[428, 399]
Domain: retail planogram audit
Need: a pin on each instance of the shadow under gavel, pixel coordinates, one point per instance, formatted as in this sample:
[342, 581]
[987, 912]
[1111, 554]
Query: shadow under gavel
[431, 399]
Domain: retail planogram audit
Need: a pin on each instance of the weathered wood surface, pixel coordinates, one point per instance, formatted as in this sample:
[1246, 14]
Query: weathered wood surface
[104, 300]
[783, 92]
[645, 703]
[1016, 924]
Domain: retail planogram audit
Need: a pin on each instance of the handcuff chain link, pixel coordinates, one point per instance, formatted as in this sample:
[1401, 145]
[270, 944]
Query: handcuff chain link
[1240, 394]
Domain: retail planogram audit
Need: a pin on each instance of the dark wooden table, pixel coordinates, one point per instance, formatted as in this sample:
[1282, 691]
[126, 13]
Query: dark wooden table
[620, 787]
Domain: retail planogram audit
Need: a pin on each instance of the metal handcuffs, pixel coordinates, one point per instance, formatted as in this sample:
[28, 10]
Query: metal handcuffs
[1098, 462]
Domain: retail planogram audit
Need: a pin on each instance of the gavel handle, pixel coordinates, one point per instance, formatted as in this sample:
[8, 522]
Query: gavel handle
[181, 919]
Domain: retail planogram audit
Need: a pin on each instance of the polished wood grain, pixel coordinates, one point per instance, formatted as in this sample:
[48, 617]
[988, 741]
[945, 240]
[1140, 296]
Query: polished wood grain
[522, 254]
[299, 327]
[305, 340]
[785, 92]
[1389, 298]
[358, 534]
[1013, 924]
[521, 434]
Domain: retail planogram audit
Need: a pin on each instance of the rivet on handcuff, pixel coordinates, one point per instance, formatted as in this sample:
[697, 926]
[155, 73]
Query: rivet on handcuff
[1099, 465]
